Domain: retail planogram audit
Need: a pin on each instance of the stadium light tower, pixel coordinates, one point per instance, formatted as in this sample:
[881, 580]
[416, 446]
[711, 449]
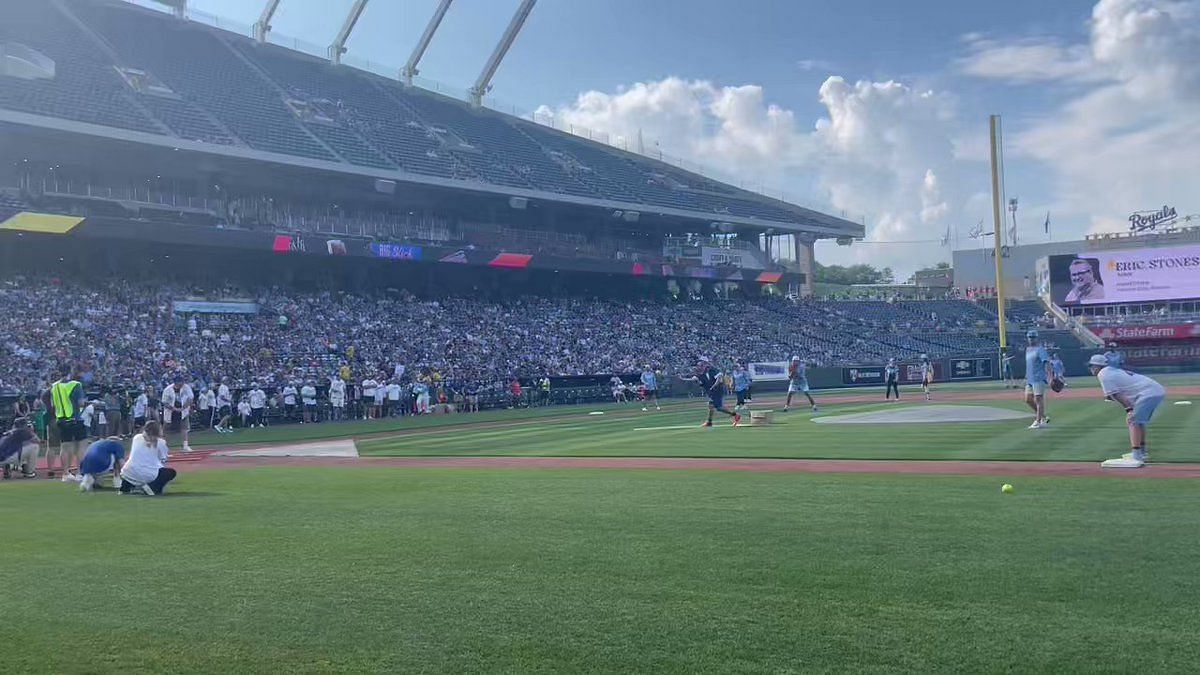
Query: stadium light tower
[484, 83]
[339, 43]
[410, 68]
[264, 21]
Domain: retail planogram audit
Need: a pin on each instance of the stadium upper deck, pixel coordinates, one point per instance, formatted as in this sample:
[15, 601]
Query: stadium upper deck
[126, 72]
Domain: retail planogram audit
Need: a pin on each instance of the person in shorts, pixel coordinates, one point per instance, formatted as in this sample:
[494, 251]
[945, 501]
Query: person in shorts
[798, 383]
[741, 385]
[712, 383]
[1038, 373]
[66, 395]
[1138, 394]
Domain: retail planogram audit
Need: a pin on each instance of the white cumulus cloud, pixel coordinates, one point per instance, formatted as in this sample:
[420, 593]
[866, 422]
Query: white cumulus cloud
[1119, 134]
[881, 149]
[1131, 142]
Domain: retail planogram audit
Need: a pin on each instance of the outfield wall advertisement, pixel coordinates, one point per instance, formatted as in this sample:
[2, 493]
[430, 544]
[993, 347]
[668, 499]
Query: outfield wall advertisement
[1136, 275]
[1152, 333]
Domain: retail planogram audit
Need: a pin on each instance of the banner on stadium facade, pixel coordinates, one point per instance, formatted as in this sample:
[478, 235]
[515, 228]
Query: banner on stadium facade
[863, 375]
[205, 307]
[773, 371]
[970, 369]
[396, 251]
[1174, 331]
[1136, 275]
[1182, 354]
[909, 373]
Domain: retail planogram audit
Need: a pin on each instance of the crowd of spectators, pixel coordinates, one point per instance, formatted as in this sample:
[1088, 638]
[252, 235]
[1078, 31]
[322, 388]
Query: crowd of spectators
[128, 334]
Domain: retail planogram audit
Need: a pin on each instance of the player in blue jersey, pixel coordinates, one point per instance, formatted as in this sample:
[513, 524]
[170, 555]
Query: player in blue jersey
[712, 382]
[650, 384]
[1038, 375]
[103, 456]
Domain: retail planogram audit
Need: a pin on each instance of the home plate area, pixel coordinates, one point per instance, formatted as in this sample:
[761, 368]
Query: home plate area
[338, 448]
[926, 414]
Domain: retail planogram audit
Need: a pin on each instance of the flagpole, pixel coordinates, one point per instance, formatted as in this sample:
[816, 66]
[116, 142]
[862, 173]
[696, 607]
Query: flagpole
[997, 224]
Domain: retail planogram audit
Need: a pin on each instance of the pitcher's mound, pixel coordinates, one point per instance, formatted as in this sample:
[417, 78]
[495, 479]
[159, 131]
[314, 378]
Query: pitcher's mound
[926, 414]
[339, 448]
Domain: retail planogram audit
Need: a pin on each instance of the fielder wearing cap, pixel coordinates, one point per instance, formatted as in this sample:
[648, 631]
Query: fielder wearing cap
[1138, 394]
[798, 383]
[1038, 374]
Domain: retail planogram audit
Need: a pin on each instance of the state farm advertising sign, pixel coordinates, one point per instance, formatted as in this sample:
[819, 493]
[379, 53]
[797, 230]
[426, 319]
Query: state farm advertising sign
[1136, 275]
[1179, 331]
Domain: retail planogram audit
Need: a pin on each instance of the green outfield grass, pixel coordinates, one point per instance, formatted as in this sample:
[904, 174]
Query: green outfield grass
[431, 570]
[1080, 431]
[1085, 429]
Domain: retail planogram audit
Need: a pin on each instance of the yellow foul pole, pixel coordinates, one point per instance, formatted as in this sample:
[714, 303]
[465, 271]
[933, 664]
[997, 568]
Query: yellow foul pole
[998, 225]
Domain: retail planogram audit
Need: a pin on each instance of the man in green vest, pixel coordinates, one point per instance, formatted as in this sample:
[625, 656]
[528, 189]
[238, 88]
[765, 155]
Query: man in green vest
[66, 396]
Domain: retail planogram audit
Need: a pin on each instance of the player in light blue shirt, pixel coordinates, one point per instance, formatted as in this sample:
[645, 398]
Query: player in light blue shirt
[1060, 370]
[741, 384]
[1038, 373]
[1113, 357]
[650, 386]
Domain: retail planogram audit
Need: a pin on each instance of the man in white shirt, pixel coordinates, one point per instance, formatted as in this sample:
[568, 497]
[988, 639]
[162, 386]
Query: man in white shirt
[337, 398]
[146, 469]
[204, 406]
[141, 406]
[369, 387]
[224, 408]
[393, 398]
[87, 417]
[177, 401]
[308, 396]
[244, 412]
[380, 399]
[258, 404]
[1138, 394]
[289, 401]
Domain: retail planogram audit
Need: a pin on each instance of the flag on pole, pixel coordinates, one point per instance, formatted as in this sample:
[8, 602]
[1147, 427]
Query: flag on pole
[1047, 222]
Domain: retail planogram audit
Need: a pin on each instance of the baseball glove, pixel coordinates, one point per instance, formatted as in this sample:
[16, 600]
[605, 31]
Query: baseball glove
[1057, 385]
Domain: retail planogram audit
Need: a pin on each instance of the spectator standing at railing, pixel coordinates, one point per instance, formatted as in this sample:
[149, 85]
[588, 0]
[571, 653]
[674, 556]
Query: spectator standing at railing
[337, 398]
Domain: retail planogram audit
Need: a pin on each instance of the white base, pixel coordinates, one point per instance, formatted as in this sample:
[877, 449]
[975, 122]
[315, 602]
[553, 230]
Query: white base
[1121, 464]
[760, 418]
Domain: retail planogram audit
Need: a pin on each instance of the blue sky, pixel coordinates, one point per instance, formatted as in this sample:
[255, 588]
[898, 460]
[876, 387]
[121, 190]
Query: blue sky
[572, 45]
[904, 89]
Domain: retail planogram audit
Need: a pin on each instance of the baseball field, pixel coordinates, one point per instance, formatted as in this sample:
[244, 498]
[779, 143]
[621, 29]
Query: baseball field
[561, 540]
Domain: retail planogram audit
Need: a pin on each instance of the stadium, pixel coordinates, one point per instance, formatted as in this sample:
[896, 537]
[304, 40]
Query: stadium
[310, 368]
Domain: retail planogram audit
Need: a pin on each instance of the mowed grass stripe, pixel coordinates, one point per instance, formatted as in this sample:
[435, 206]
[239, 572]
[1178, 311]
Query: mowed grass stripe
[1082, 430]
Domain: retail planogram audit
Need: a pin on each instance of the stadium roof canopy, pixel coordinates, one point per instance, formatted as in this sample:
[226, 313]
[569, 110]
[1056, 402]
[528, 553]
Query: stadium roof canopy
[176, 84]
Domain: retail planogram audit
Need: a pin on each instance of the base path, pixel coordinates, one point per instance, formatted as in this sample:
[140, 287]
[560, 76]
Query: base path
[951, 468]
